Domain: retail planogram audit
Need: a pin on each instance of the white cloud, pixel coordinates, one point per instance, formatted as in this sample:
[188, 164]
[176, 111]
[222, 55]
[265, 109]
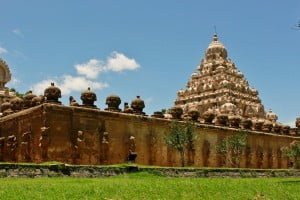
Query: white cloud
[91, 69]
[87, 74]
[69, 84]
[290, 123]
[116, 62]
[79, 84]
[39, 87]
[2, 50]
[18, 33]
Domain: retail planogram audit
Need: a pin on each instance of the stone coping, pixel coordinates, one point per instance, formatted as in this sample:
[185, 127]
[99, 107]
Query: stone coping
[29, 170]
[110, 114]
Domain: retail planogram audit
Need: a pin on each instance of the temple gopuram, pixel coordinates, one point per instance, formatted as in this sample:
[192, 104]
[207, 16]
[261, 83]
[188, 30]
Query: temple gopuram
[219, 92]
[218, 101]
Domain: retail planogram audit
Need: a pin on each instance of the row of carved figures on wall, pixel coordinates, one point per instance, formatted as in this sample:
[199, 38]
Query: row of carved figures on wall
[232, 121]
[251, 157]
[9, 147]
[88, 97]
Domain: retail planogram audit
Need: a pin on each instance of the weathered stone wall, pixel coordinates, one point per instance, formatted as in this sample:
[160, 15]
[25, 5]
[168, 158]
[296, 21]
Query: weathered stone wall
[92, 171]
[89, 136]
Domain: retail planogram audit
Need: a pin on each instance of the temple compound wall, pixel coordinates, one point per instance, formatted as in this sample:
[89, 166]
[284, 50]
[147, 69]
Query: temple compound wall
[77, 135]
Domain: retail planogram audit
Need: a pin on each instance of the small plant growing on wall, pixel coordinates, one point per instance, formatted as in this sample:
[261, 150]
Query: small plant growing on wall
[293, 152]
[180, 138]
[234, 147]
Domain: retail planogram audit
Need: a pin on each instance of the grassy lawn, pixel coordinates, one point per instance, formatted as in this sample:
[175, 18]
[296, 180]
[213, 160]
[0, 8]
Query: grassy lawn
[147, 186]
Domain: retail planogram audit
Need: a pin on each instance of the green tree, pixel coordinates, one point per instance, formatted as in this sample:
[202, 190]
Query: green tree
[180, 138]
[234, 146]
[293, 152]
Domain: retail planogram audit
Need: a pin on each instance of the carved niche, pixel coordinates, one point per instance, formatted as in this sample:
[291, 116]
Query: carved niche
[248, 155]
[206, 153]
[26, 146]
[259, 157]
[44, 142]
[79, 146]
[11, 147]
[270, 157]
[104, 148]
[2, 147]
[132, 154]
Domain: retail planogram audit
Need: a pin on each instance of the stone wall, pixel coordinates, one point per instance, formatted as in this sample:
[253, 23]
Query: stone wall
[92, 171]
[79, 135]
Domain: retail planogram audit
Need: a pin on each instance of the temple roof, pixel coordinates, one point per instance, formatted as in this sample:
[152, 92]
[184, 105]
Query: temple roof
[216, 48]
[217, 82]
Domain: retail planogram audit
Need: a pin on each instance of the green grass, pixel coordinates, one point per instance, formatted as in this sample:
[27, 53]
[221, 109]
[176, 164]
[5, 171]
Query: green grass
[147, 186]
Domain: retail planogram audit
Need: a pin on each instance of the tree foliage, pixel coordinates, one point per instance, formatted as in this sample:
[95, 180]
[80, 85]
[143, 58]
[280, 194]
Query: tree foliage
[293, 152]
[233, 146]
[180, 138]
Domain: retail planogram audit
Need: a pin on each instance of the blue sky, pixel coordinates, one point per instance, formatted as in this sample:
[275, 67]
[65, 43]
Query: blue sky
[158, 44]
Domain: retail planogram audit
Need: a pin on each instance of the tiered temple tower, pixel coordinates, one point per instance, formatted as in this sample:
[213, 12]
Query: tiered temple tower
[218, 86]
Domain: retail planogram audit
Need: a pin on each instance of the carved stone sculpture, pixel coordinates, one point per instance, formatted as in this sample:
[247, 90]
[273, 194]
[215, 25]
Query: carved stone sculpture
[113, 102]
[286, 129]
[246, 123]
[2, 148]
[88, 98]
[127, 109]
[72, 101]
[176, 112]
[132, 154]
[16, 104]
[248, 155]
[234, 121]
[26, 146]
[259, 157]
[28, 99]
[194, 114]
[44, 142]
[38, 100]
[79, 146]
[11, 147]
[206, 153]
[52, 94]
[157, 114]
[277, 128]
[6, 108]
[267, 126]
[270, 158]
[222, 120]
[257, 124]
[104, 148]
[137, 106]
[208, 117]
